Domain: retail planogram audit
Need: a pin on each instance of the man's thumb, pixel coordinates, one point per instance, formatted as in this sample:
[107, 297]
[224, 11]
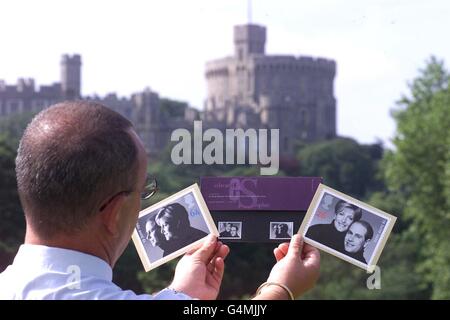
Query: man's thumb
[206, 250]
[296, 245]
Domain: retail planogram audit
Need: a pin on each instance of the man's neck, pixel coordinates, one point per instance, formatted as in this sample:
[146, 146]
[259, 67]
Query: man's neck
[78, 242]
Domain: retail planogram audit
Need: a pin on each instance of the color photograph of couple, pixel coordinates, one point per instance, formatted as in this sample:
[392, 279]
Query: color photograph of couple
[346, 227]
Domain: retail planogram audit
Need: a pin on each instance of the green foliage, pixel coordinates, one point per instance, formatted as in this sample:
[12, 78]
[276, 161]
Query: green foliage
[12, 224]
[12, 227]
[172, 178]
[173, 108]
[247, 266]
[393, 203]
[399, 279]
[415, 263]
[240, 280]
[344, 165]
[127, 268]
[159, 278]
[419, 169]
[13, 126]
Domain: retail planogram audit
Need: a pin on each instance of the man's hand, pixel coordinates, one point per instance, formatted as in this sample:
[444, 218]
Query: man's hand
[297, 268]
[199, 273]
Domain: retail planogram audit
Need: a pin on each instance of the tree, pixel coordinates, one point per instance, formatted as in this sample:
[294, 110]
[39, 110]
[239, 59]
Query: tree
[398, 279]
[343, 164]
[171, 179]
[341, 280]
[173, 108]
[13, 126]
[419, 169]
[12, 226]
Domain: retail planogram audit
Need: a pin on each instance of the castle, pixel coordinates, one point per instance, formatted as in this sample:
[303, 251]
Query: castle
[247, 90]
[142, 108]
[255, 90]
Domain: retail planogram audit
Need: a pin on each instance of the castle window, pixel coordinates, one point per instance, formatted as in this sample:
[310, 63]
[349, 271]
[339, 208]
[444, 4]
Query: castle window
[240, 54]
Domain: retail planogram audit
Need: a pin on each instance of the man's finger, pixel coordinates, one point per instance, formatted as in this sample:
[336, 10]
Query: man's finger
[195, 248]
[284, 247]
[278, 254]
[223, 251]
[210, 266]
[312, 255]
[215, 277]
[296, 245]
[207, 249]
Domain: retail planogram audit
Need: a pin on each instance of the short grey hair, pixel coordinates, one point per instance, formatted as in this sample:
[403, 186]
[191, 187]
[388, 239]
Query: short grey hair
[71, 157]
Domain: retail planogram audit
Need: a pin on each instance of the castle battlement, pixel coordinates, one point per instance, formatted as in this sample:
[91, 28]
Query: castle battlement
[223, 67]
[286, 92]
[317, 62]
[294, 63]
[71, 58]
[51, 90]
[249, 31]
[25, 86]
[21, 86]
[247, 90]
[218, 64]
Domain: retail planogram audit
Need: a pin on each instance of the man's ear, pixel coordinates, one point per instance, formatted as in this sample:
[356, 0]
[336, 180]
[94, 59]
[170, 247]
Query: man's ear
[110, 213]
[366, 243]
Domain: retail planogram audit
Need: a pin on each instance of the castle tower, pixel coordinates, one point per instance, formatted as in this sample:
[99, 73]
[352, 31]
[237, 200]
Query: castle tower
[71, 76]
[252, 89]
[249, 39]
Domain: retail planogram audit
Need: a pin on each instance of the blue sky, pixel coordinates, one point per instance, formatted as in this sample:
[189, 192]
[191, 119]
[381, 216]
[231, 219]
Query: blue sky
[129, 45]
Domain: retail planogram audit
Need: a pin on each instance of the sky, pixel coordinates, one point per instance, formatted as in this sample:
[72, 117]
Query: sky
[126, 46]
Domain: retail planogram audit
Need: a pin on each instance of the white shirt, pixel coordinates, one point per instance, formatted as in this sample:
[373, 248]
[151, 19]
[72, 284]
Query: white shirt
[41, 272]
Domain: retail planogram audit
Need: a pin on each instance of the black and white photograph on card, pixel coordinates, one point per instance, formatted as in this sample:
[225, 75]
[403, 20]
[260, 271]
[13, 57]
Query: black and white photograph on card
[346, 227]
[281, 230]
[230, 229]
[172, 226]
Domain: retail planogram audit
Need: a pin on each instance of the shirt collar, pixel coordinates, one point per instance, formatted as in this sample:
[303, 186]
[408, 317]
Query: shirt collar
[32, 256]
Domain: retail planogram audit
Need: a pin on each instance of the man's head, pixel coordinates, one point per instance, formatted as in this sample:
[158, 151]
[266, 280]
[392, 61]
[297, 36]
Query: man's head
[228, 227]
[233, 231]
[358, 236]
[345, 215]
[173, 220]
[78, 161]
[283, 228]
[153, 231]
